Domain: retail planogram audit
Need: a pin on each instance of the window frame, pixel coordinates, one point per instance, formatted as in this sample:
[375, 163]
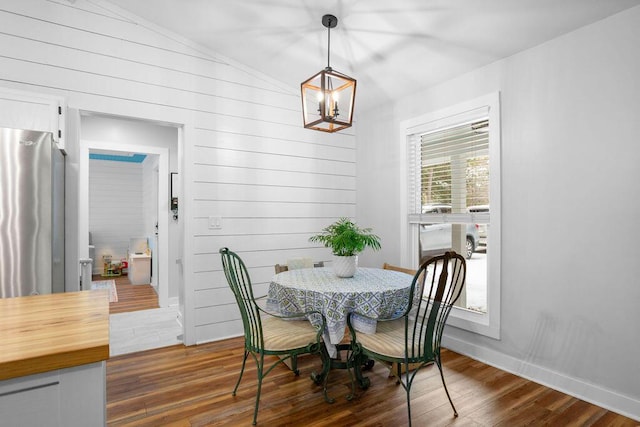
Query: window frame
[488, 323]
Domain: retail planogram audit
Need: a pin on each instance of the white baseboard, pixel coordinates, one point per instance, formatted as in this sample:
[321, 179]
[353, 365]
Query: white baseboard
[580, 389]
[220, 338]
[173, 301]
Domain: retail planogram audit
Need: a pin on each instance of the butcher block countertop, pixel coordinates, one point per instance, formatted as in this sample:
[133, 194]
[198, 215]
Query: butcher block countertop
[48, 332]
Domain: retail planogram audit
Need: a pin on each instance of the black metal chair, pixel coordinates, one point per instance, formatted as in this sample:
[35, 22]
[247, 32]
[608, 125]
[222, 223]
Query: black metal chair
[411, 340]
[269, 334]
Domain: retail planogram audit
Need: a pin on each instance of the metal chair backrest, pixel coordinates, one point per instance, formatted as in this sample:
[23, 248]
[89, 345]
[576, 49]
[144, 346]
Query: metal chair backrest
[240, 283]
[441, 279]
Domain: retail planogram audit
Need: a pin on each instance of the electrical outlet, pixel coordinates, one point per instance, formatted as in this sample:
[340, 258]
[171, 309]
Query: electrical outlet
[215, 222]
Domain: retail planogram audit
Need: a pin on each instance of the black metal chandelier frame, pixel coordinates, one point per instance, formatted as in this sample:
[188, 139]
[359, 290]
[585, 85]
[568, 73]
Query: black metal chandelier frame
[321, 93]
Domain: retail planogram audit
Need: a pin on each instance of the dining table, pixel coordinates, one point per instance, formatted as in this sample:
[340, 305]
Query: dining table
[374, 292]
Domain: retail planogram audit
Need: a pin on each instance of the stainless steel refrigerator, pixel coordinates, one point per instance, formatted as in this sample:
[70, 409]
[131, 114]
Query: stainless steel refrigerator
[31, 214]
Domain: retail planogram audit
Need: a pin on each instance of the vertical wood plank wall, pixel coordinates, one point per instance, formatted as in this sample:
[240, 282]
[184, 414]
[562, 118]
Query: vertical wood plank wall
[247, 157]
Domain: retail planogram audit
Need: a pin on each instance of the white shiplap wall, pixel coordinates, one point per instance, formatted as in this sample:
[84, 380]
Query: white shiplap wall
[115, 208]
[245, 155]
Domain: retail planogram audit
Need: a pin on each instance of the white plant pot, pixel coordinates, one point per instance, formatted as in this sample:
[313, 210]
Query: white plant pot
[345, 266]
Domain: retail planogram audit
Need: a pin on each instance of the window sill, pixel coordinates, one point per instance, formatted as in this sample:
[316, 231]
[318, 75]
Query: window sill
[479, 323]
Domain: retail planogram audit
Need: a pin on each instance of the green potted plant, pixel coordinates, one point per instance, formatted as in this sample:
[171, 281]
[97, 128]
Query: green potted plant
[346, 240]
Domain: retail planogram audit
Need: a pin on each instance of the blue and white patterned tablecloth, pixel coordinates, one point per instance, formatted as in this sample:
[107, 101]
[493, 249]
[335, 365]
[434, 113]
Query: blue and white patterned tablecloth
[375, 292]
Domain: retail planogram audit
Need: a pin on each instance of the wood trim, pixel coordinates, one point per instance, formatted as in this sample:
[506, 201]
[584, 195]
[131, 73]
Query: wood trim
[401, 269]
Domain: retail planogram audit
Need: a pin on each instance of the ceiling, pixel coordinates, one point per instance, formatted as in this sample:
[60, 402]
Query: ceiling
[392, 48]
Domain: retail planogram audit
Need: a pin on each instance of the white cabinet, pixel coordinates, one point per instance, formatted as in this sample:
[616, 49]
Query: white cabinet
[67, 398]
[139, 269]
[33, 111]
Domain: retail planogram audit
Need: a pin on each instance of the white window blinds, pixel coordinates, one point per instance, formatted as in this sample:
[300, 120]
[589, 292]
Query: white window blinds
[449, 173]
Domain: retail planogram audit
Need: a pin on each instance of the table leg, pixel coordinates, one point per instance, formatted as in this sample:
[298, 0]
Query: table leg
[359, 364]
[356, 361]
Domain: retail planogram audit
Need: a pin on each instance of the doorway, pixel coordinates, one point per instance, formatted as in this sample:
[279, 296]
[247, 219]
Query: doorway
[157, 145]
[124, 228]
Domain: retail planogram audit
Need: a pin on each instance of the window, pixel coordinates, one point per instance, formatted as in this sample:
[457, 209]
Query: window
[453, 202]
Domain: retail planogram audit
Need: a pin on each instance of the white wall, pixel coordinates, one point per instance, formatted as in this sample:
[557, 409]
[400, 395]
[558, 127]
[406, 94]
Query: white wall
[115, 208]
[570, 205]
[246, 156]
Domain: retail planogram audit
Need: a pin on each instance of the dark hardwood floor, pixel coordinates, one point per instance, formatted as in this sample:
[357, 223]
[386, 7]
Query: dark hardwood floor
[191, 386]
[131, 297]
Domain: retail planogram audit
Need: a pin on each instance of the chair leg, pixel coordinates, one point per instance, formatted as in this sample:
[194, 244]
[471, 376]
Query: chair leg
[439, 363]
[260, 363]
[294, 364]
[408, 390]
[407, 387]
[244, 362]
[352, 362]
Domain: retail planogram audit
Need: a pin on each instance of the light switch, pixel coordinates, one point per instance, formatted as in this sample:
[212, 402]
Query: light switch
[215, 222]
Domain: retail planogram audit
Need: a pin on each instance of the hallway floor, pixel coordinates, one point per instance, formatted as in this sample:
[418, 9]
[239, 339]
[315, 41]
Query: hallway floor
[130, 297]
[136, 322]
[143, 330]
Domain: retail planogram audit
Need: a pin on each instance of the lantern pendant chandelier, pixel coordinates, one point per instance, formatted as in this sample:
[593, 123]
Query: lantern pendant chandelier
[321, 93]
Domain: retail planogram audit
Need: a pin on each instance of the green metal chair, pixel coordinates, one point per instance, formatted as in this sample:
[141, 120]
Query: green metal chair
[268, 334]
[411, 340]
